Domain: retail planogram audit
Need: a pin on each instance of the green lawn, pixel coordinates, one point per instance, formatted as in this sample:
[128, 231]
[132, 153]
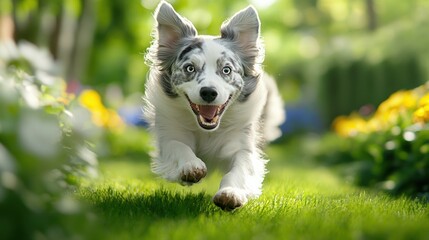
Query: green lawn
[301, 200]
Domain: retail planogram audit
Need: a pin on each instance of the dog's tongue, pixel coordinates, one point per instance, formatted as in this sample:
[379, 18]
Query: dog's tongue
[208, 111]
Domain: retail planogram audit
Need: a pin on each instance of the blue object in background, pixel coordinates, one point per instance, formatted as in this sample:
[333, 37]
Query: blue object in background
[301, 118]
[133, 116]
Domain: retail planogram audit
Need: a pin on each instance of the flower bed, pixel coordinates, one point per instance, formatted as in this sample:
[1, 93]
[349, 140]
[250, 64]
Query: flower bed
[389, 149]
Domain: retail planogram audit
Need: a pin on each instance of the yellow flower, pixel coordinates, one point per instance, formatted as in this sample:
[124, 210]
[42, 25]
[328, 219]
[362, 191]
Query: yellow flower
[421, 115]
[115, 121]
[376, 123]
[385, 119]
[398, 108]
[392, 108]
[349, 126]
[100, 115]
[90, 99]
[398, 101]
[424, 101]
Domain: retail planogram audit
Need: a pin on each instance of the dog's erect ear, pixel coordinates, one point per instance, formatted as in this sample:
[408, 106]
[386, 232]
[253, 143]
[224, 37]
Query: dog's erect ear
[171, 27]
[242, 28]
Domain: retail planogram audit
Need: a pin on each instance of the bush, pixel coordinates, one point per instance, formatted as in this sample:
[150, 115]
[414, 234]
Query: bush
[44, 148]
[389, 149]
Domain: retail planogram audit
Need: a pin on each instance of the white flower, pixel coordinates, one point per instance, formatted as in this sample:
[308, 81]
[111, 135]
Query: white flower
[8, 92]
[39, 133]
[8, 51]
[39, 58]
[31, 95]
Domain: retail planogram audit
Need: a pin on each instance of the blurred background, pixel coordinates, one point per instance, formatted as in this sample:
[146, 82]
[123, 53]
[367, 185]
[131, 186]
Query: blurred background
[72, 75]
[329, 57]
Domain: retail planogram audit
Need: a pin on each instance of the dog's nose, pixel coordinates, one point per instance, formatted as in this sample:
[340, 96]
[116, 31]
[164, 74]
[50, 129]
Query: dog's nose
[208, 94]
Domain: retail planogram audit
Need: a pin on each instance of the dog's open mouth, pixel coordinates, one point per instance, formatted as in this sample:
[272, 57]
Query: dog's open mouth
[208, 116]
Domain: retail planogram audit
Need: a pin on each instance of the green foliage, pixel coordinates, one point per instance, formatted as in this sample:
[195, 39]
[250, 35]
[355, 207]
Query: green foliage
[130, 141]
[5, 7]
[389, 149]
[395, 160]
[42, 152]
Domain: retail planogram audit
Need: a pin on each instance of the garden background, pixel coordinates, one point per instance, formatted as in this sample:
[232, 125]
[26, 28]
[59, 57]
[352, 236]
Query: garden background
[353, 161]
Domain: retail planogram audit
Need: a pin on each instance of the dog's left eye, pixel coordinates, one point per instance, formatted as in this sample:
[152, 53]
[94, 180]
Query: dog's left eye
[226, 70]
[189, 68]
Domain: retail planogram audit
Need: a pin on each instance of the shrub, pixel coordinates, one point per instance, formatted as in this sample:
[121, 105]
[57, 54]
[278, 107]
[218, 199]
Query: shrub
[389, 148]
[44, 148]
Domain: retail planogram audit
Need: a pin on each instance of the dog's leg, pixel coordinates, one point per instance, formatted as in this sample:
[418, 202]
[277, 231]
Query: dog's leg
[177, 162]
[243, 181]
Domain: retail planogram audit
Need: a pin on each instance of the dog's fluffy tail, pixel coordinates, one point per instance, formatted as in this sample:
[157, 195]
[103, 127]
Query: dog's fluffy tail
[274, 113]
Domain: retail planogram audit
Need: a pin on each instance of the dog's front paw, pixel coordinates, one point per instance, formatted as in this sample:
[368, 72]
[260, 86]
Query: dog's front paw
[193, 173]
[229, 198]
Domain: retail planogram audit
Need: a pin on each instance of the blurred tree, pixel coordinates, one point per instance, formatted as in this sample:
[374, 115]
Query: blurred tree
[83, 38]
[371, 13]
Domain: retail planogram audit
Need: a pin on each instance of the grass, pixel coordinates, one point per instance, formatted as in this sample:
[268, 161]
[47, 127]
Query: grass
[301, 200]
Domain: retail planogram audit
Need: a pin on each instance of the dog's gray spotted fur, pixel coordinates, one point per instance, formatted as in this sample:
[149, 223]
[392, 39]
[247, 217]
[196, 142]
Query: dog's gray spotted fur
[194, 49]
[250, 69]
[169, 57]
[195, 44]
[165, 81]
[245, 110]
[235, 77]
[247, 47]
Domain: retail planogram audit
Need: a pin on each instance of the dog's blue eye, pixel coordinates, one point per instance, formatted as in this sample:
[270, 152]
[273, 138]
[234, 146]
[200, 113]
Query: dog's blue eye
[226, 70]
[189, 68]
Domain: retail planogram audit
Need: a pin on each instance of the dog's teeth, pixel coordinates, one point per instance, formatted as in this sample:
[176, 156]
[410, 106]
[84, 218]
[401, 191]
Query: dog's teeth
[211, 123]
[202, 119]
[215, 119]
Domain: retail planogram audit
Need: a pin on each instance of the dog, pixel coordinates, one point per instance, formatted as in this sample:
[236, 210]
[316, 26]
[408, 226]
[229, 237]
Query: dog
[209, 104]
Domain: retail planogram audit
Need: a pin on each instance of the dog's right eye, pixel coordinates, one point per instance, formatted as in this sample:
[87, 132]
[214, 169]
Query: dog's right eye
[189, 68]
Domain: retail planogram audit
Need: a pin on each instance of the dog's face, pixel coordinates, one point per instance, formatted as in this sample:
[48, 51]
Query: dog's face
[209, 76]
[209, 72]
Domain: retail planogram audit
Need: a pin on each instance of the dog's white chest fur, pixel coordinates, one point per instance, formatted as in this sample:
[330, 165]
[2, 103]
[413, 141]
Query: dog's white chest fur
[208, 102]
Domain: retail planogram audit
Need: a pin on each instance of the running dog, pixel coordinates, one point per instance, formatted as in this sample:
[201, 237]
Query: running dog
[209, 104]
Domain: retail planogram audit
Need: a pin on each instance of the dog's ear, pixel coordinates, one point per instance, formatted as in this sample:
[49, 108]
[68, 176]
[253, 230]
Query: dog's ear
[171, 27]
[242, 31]
[242, 28]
